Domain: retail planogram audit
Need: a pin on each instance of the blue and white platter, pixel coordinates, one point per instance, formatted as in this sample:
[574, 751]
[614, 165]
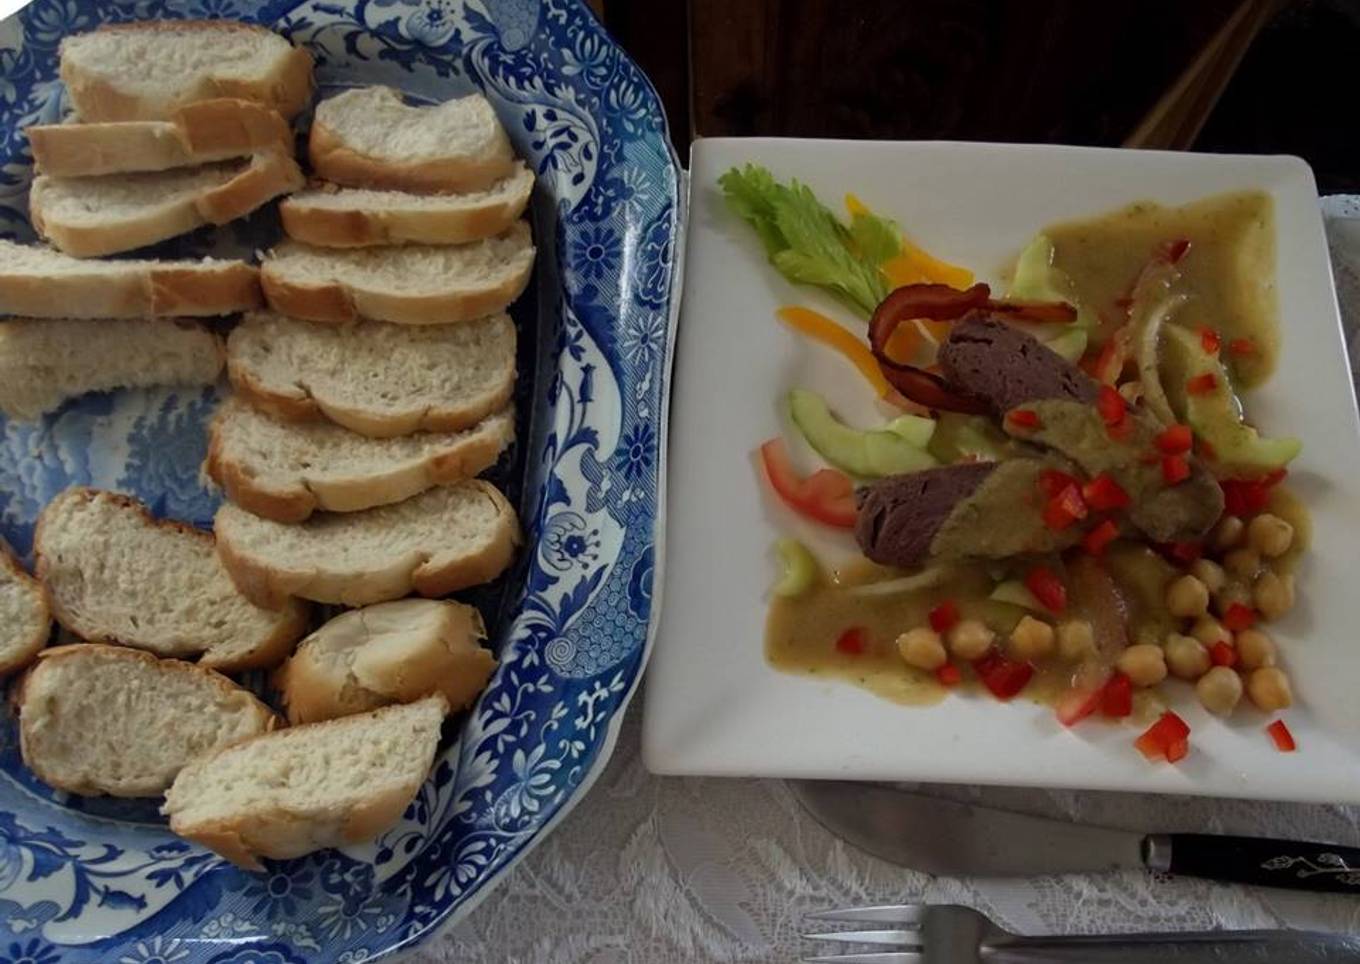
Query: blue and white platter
[94, 879]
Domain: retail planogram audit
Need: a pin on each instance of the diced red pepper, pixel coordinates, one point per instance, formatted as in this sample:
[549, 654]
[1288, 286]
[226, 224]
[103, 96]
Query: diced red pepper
[1176, 440]
[1173, 251]
[949, 675]
[1111, 405]
[1047, 588]
[1249, 496]
[1239, 617]
[1284, 740]
[1004, 677]
[1206, 450]
[1101, 536]
[945, 616]
[1202, 384]
[1177, 750]
[1023, 418]
[1121, 430]
[1209, 341]
[1116, 699]
[1104, 493]
[1175, 469]
[1242, 346]
[1223, 654]
[1078, 703]
[851, 642]
[1064, 509]
[1168, 739]
[1053, 481]
[826, 496]
[1185, 552]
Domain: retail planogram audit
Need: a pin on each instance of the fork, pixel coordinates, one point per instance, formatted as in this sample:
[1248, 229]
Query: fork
[950, 934]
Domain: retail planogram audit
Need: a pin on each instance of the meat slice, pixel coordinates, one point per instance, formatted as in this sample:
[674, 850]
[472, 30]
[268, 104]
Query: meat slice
[899, 515]
[992, 359]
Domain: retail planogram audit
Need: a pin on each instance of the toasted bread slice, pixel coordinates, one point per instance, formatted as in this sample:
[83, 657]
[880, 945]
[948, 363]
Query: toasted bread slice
[329, 216]
[376, 379]
[45, 361]
[114, 574]
[369, 137]
[91, 216]
[285, 471]
[39, 282]
[304, 788]
[442, 540]
[214, 130]
[99, 719]
[147, 70]
[394, 652]
[410, 285]
[25, 619]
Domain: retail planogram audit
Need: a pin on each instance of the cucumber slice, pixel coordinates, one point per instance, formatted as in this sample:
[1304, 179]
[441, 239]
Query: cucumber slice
[1016, 593]
[868, 453]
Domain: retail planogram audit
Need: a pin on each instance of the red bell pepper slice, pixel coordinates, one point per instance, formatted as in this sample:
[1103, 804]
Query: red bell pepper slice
[826, 496]
[1168, 739]
[1003, 676]
[1116, 699]
[1239, 617]
[944, 617]
[1103, 493]
[1176, 440]
[1047, 588]
[851, 642]
[1101, 536]
[1284, 740]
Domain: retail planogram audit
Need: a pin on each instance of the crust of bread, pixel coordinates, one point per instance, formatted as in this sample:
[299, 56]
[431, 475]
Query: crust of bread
[30, 647]
[160, 292]
[342, 304]
[334, 161]
[293, 613]
[78, 650]
[358, 228]
[269, 175]
[433, 576]
[288, 90]
[295, 503]
[212, 130]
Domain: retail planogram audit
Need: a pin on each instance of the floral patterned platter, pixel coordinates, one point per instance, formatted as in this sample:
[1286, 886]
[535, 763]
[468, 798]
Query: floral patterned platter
[101, 880]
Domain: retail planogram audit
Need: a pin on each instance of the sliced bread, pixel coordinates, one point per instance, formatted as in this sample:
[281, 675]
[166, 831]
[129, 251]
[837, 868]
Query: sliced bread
[285, 471]
[35, 280]
[91, 216]
[103, 719]
[114, 574]
[370, 137]
[394, 652]
[375, 379]
[411, 285]
[442, 540]
[45, 361]
[305, 788]
[213, 130]
[25, 620]
[344, 217]
[146, 70]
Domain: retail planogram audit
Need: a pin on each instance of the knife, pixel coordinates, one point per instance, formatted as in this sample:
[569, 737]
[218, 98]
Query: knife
[949, 839]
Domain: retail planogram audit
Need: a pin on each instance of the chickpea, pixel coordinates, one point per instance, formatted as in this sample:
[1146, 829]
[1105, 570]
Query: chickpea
[1209, 630]
[1187, 597]
[1228, 533]
[1219, 690]
[1270, 535]
[970, 639]
[1186, 656]
[1243, 563]
[1269, 689]
[1209, 572]
[1255, 649]
[921, 647]
[1143, 664]
[1233, 591]
[1076, 640]
[1031, 639]
[1273, 595]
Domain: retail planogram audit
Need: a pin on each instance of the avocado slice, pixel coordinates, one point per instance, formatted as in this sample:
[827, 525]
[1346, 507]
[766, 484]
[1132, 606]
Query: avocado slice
[897, 448]
[1216, 417]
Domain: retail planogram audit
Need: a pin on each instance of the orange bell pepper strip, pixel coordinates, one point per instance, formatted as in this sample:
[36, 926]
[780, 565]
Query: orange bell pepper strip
[816, 325]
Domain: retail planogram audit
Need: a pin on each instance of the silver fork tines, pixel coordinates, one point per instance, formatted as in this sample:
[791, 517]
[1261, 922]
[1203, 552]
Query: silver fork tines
[882, 914]
[873, 957]
[911, 938]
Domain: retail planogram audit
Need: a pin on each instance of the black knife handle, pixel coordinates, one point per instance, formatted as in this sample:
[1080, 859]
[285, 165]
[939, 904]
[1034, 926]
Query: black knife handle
[1261, 861]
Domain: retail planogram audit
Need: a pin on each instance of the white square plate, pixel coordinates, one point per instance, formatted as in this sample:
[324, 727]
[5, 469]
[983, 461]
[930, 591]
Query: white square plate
[714, 706]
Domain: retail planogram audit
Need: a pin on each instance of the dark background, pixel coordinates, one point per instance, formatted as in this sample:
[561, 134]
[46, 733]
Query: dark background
[1070, 71]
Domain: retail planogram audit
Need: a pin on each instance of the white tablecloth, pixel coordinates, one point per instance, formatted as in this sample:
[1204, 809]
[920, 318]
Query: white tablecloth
[656, 870]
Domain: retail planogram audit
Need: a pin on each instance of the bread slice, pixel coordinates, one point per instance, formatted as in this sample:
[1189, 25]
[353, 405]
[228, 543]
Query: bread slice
[214, 130]
[91, 216]
[394, 652]
[114, 574]
[285, 471]
[37, 281]
[442, 540]
[375, 379]
[146, 70]
[369, 137]
[305, 788]
[25, 620]
[411, 285]
[104, 719]
[346, 217]
[45, 361]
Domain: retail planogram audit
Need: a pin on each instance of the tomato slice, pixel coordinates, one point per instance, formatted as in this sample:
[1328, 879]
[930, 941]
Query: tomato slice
[1284, 740]
[826, 496]
[1047, 588]
[1005, 677]
[1167, 739]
